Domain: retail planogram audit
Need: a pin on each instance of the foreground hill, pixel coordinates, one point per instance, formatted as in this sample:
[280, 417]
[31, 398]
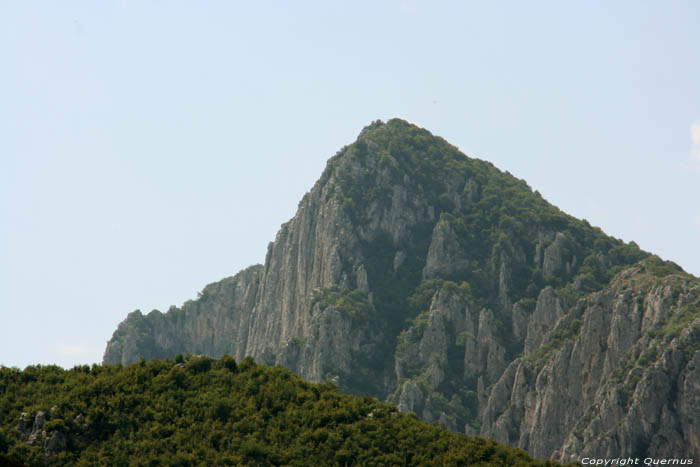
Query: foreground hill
[426, 278]
[201, 411]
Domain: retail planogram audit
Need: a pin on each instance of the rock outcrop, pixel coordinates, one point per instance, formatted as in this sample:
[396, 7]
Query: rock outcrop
[615, 377]
[53, 439]
[435, 281]
[212, 324]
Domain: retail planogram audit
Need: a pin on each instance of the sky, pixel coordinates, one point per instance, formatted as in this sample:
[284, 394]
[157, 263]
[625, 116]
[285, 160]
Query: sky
[148, 148]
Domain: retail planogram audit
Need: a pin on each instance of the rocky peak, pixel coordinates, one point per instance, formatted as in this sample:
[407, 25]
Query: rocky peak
[419, 275]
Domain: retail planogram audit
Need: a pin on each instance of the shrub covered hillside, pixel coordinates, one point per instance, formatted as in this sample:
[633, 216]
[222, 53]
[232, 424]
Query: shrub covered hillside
[201, 411]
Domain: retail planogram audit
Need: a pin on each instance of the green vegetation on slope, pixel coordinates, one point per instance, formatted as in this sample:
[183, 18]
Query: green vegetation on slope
[498, 218]
[200, 411]
[498, 222]
[498, 213]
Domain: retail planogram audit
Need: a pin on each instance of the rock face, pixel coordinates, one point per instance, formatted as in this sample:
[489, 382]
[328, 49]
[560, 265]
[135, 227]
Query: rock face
[615, 376]
[53, 441]
[435, 281]
[209, 325]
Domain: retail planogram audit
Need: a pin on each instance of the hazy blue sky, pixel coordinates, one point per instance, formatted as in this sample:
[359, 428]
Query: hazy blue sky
[150, 148]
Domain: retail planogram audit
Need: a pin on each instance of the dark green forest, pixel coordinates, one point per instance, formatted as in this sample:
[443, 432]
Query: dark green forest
[201, 411]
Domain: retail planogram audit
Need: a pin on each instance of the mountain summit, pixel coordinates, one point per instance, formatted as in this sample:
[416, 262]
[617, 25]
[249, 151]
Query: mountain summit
[435, 281]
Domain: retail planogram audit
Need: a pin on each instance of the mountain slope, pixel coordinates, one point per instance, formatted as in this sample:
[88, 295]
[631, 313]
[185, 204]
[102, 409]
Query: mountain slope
[206, 412]
[435, 281]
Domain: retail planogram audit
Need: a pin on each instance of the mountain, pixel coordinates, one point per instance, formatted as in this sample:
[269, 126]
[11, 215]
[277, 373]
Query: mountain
[439, 283]
[201, 411]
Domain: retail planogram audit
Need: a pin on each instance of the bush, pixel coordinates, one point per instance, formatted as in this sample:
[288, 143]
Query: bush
[198, 364]
[229, 363]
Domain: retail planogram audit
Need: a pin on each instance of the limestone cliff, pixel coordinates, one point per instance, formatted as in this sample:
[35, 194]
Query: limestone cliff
[435, 281]
[618, 374]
